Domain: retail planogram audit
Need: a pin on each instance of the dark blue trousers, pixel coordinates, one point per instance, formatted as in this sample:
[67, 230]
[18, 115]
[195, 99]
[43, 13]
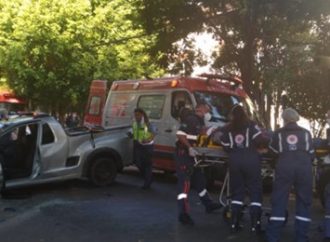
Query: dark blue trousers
[143, 160]
[245, 176]
[188, 175]
[327, 211]
[291, 171]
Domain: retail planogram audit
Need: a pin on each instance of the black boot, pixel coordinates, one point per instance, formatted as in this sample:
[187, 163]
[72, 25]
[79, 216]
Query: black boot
[209, 205]
[235, 222]
[185, 219]
[255, 225]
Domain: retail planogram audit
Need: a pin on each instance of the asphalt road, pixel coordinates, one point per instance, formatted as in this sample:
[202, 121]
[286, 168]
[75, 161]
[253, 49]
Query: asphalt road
[76, 211]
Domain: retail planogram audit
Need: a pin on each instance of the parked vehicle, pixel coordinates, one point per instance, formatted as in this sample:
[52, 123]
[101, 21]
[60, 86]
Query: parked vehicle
[162, 99]
[37, 149]
[10, 104]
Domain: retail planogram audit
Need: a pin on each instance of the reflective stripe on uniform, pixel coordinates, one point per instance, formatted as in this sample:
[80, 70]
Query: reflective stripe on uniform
[303, 219]
[192, 137]
[255, 204]
[188, 136]
[236, 202]
[202, 193]
[307, 141]
[247, 142]
[327, 216]
[277, 218]
[231, 140]
[270, 147]
[182, 196]
[280, 146]
[180, 132]
[225, 144]
[255, 135]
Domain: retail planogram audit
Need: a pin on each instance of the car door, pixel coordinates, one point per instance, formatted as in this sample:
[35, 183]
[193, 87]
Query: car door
[53, 149]
[19, 151]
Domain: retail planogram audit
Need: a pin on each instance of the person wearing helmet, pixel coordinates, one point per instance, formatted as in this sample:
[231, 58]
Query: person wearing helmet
[326, 194]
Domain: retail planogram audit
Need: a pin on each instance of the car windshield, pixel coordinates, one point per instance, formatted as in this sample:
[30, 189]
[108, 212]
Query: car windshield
[221, 105]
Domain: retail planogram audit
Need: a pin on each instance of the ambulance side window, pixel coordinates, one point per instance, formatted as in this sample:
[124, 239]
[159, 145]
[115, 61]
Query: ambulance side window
[180, 100]
[153, 105]
[95, 105]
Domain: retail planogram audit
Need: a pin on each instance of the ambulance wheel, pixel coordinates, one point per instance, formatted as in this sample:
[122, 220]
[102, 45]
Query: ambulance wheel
[103, 171]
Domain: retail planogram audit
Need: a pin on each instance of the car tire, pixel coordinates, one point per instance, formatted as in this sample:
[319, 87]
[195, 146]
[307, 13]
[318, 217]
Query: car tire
[103, 171]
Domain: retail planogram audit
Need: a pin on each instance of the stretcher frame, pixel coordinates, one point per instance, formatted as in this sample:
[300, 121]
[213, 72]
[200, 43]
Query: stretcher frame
[209, 156]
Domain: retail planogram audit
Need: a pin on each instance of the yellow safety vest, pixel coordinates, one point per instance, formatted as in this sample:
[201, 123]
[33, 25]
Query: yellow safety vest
[141, 132]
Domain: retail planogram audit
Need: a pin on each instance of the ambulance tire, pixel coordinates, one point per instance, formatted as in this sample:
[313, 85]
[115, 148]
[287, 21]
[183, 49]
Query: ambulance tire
[103, 171]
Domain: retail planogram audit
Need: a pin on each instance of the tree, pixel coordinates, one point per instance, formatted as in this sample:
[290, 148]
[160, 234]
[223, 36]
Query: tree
[257, 38]
[51, 50]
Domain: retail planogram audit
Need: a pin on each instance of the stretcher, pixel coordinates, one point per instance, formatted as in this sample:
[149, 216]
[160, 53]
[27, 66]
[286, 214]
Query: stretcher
[211, 154]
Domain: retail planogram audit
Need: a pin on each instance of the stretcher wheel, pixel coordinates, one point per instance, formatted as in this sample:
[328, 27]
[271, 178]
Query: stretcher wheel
[227, 214]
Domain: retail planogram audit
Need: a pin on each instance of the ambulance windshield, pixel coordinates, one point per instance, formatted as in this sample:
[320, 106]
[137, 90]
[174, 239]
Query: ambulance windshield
[221, 105]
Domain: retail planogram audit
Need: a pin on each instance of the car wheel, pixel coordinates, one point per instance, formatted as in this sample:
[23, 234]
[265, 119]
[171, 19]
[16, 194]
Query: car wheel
[103, 171]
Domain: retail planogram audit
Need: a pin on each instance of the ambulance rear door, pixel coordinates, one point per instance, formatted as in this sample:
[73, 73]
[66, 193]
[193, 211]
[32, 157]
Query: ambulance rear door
[95, 104]
[163, 108]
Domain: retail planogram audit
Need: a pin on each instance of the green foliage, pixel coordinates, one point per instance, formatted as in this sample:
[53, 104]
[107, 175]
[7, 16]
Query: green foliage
[51, 50]
[268, 42]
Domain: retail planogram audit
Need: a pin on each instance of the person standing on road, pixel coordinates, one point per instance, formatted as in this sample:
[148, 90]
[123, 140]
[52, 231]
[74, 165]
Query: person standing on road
[326, 194]
[293, 145]
[143, 145]
[191, 126]
[242, 138]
